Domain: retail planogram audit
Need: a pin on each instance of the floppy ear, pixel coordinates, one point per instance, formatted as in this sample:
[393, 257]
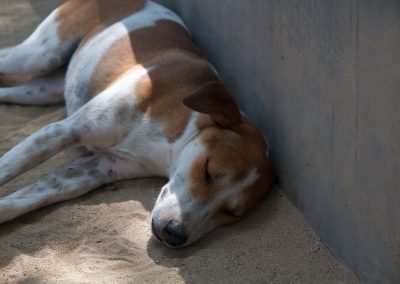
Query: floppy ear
[214, 99]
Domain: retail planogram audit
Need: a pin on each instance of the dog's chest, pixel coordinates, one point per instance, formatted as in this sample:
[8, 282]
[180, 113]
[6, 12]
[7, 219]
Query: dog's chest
[145, 143]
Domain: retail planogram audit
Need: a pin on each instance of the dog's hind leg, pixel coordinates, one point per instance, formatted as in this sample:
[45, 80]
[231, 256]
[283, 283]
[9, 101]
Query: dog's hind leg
[42, 52]
[52, 43]
[68, 182]
[43, 90]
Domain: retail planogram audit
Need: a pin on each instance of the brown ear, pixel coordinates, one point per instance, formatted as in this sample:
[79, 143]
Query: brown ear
[214, 99]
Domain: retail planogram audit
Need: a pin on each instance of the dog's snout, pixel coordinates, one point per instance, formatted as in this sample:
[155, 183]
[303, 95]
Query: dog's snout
[174, 234]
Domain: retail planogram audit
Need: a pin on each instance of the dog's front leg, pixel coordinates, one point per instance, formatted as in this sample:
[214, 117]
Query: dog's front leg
[36, 148]
[68, 182]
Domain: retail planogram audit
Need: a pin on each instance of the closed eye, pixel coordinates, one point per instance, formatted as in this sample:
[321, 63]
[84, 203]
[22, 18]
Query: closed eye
[231, 213]
[207, 176]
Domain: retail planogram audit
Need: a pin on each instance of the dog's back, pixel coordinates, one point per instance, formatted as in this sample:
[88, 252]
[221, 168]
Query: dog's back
[151, 36]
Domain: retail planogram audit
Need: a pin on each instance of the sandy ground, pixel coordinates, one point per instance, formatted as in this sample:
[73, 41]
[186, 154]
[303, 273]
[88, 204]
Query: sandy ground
[104, 237]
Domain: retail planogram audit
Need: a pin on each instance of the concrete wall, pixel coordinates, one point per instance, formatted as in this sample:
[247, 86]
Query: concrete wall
[321, 78]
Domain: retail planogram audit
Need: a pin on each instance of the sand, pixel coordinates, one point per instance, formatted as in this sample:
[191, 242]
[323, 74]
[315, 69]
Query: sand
[104, 236]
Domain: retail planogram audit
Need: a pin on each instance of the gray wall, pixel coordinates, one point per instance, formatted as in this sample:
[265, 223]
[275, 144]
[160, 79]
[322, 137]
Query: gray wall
[321, 78]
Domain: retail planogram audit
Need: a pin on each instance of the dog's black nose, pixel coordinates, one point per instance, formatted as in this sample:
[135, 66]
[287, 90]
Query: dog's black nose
[174, 234]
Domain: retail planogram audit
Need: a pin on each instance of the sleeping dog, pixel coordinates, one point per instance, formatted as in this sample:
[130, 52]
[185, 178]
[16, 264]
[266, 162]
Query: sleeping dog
[145, 101]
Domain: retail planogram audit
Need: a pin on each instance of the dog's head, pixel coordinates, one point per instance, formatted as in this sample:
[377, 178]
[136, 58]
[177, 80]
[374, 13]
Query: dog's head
[221, 173]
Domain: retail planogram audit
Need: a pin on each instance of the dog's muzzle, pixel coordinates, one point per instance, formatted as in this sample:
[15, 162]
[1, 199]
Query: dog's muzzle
[172, 233]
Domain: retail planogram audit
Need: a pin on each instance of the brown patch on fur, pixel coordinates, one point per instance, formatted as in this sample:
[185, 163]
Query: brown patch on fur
[76, 17]
[89, 17]
[179, 71]
[203, 121]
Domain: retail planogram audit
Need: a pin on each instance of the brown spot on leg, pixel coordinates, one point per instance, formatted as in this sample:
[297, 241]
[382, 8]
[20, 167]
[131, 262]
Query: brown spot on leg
[41, 140]
[111, 159]
[111, 174]
[95, 173]
[40, 188]
[52, 181]
[53, 63]
[72, 172]
[59, 132]
[92, 163]
[86, 128]
[123, 114]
